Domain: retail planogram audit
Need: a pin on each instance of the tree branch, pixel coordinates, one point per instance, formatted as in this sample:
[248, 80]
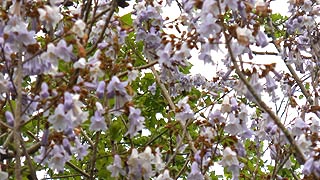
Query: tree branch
[297, 151]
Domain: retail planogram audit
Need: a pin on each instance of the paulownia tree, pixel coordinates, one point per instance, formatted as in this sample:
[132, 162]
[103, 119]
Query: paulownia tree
[89, 93]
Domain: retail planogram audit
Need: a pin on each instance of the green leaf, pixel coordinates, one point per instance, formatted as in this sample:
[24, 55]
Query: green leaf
[126, 19]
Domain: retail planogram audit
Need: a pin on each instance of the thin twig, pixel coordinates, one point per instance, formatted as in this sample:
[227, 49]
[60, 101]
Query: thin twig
[297, 151]
[94, 156]
[112, 9]
[173, 107]
[17, 113]
[77, 169]
[29, 161]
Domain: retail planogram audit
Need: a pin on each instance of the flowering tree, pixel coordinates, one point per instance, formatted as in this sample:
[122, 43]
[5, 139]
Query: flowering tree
[88, 93]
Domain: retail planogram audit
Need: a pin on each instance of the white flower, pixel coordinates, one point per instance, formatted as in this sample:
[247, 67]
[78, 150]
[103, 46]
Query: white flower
[78, 28]
[303, 143]
[51, 14]
[225, 106]
[229, 158]
[244, 36]
[116, 167]
[58, 119]
[80, 64]
[164, 176]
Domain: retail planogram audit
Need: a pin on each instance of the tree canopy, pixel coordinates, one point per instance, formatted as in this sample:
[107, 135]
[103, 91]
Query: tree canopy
[90, 92]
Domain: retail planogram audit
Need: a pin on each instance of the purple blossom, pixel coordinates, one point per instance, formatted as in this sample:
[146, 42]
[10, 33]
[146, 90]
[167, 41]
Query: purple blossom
[136, 122]
[116, 168]
[308, 166]
[134, 163]
[216, 115]
[270, 83]
[117, 89]
[98, 121]
[299, 127]
[101, 89]
[152, 88]
[164, 176]
[226, 106]
[63, 51]
[42, 157]
[58, 119]
[66, 145]
[233, 126]
[230, 161]
[58, 159]
[261, 39]
[10, 118]
[80, 149]
[195, 172]
[209, 26]
[45, 138]
[44, 90]
[68, 101]
[185, 112]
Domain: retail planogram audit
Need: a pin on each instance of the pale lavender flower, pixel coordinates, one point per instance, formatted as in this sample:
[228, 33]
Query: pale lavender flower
[140, 35]
[51, 14]
[97, 121]
[116, 168]
[314, 125]
[209, 26]
[80, 149]
[159, 165]
[136, 122]
[270, 83]
[10, 118]
[26, 37]
[229, 158]
[232, 4]
[45, 138]
[299, 127]
[63, 51]
[304, 144]
[66, 145]
[80, 64]
[230, 161]
[42, 157]
[152, 88]
[226, 106]
[58, 119]
[308, 166]
[146, 159]
[233, 103]
[233, 126]
[79, 28]
[164, 176]
[73, 107]
[58, 159]
[185, 112]
[216, 116]
[44, 90]
[195, 173]
[116, 87]
[101, 89]
[164, 55]
[134, 164]
[261, 39]
[68, 101]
